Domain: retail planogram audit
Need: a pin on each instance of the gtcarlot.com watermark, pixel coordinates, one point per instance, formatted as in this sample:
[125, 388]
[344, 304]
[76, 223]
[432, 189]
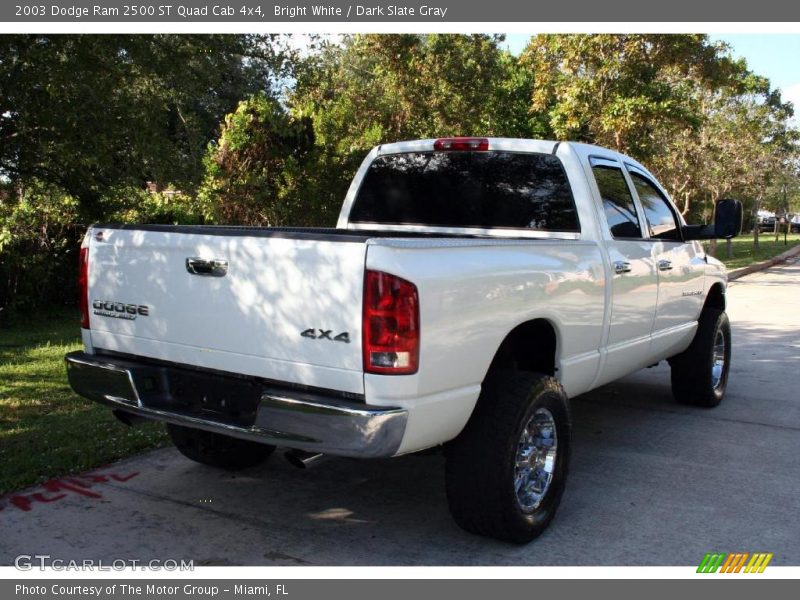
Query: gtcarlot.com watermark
[29, 562]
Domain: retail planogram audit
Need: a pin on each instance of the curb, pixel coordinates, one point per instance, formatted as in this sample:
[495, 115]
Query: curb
[765, 264]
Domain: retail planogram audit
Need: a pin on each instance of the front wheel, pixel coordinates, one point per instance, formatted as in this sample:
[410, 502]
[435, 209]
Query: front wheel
[217, 450]
[700, 373]
[506, 471]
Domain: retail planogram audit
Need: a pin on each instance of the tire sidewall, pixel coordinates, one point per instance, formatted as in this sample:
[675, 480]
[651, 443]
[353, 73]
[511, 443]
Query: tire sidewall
[722, 324]
[691, 376]
[534, 522]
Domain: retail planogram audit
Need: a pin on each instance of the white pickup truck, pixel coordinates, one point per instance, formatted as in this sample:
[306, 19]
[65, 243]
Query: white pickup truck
[471, 287]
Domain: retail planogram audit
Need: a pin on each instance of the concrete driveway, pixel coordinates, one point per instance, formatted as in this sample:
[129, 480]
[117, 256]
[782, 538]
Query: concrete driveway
[652, 483]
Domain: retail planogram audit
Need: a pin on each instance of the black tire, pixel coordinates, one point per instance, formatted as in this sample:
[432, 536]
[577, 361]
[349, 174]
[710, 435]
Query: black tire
[694, 381]
[480, 462]
[216, 450]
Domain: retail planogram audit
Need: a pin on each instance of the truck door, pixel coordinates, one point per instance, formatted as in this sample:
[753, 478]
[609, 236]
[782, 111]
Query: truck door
[634, 283]
[680, 265]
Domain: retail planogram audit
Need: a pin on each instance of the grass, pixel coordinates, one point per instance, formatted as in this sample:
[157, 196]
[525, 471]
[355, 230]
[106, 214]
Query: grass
[46, 430]
[744, 253]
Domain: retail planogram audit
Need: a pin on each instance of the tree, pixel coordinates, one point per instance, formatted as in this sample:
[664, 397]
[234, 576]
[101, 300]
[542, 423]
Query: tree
[38, 237]
[87, 113]
[620, 90]
[745, 148]
[377, 88]
[703, 123]
[260, 171]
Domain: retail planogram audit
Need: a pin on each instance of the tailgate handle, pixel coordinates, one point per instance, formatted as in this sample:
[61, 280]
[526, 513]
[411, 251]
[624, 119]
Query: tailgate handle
[213, 267]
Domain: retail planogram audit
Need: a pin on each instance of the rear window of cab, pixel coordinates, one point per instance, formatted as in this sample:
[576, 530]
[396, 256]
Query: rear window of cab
[513, 190]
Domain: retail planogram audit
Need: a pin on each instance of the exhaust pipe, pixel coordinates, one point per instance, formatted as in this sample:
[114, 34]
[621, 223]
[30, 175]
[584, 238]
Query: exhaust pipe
[302, 459]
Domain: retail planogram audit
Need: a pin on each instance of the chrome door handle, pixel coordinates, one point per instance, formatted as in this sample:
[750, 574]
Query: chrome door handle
[664, 265]
[213, 267]
[621, 266]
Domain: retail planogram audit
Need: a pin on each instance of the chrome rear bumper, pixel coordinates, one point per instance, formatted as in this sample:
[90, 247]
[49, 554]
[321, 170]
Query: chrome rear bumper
[290, 418]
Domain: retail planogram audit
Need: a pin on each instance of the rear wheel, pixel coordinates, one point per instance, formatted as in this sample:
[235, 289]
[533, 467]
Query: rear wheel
[506, 472]
[700, 373]
[216, 450]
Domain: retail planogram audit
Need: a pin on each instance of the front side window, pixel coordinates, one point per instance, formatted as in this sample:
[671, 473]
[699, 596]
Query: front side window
[661, 220]
[467, 189]
[618, 204]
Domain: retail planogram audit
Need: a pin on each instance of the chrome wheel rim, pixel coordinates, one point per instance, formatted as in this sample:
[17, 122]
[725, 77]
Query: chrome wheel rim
[718, 361]
[535, 460]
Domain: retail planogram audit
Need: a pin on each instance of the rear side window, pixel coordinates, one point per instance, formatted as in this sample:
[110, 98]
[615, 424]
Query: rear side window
[660, 218]
[467, 189]
[617, 202]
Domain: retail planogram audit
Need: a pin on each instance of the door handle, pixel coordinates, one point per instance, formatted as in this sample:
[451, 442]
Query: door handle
[621, 266]
[213, 267]
[665, 265]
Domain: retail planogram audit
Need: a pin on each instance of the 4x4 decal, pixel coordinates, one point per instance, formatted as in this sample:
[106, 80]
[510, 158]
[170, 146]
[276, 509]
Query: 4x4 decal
[325, 334]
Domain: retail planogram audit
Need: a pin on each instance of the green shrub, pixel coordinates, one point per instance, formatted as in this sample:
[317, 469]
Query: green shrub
[41, 231]
[136, 205]
[265, 169]
[40, 235]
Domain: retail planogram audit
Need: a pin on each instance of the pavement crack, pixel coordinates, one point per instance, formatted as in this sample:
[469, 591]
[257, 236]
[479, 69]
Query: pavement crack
[279, 556]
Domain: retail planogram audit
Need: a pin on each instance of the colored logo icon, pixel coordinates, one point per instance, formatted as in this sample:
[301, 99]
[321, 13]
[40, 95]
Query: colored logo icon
[734, 562]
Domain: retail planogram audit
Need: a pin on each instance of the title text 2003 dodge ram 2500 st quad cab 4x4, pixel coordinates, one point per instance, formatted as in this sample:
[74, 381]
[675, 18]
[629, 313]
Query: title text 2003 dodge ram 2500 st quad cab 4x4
[471, 287]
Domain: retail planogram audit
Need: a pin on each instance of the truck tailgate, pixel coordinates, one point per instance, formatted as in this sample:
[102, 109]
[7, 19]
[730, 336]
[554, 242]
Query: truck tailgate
[287, 308]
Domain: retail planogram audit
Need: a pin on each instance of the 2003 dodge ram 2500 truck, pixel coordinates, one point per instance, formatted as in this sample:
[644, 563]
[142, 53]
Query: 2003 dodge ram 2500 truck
[471, 287]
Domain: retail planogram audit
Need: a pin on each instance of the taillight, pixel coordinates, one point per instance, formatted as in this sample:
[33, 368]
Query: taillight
[83, 286]
[391, 325]
[461, 143]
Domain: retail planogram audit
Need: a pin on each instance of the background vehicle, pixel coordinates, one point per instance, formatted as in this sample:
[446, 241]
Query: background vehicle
[766, 223]
[470, 288]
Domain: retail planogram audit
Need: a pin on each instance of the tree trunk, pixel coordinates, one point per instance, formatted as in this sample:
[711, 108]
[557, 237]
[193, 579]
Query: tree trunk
[756, 229]
[712, 245]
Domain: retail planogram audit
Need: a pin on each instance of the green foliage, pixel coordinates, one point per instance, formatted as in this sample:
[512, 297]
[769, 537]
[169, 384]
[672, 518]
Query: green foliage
[137, 205]
[741, 148]
[377, 88]
[617, 90]
[88, 113]
[261, 170]
[40, 232]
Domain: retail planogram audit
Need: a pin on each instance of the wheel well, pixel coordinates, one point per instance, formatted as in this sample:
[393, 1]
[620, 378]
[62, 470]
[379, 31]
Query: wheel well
[715, 298]
[530, 346]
